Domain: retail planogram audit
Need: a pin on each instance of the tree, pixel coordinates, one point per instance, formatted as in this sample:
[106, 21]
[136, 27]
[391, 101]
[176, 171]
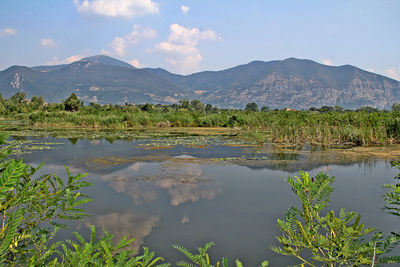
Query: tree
[147, 107]
[185, 103]
[2, 108]
[251, 107]
[197, 105]
[10, 105]
[367, 109]
[209, 108]
[166, 109]
[72, 103]
[18, 97]
[325, 109]
[265, 109]
[36, 102]
[396, 107]
[339, 109]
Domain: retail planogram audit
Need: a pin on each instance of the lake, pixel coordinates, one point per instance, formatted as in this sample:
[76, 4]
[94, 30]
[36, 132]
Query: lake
[189, 190]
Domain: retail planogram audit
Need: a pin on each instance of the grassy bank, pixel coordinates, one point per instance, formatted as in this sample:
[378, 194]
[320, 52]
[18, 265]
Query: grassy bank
[296, 127]
[324, 126]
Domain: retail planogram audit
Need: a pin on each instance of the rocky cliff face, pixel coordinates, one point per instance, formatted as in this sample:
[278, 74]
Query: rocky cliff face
[276, 91]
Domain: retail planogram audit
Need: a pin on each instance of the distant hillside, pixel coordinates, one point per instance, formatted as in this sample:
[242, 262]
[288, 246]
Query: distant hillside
[97, 59]
[295, 83]
[48, 68]
[108, 61]
[92, 81]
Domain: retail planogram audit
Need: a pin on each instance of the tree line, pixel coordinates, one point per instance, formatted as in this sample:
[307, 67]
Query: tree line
[19, 103]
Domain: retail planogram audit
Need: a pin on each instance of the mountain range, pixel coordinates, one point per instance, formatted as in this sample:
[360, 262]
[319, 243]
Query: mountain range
[294, 83]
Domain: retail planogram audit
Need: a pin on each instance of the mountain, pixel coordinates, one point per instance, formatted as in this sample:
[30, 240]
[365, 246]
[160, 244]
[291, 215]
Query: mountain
[97, 59]
[19, 78]
[294, 83]
[48, 68]
[92, 81]
[108, 61]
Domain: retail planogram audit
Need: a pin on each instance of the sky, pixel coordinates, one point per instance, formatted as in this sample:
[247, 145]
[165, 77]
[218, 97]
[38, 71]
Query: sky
[186, 36]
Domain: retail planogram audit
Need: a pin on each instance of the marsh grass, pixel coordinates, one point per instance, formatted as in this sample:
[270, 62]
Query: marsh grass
[296, 127]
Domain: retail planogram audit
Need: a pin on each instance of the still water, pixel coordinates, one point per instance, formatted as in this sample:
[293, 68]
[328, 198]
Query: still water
[189, 191]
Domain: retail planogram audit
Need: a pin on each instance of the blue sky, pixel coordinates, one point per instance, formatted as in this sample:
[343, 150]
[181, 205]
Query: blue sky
[193, 35]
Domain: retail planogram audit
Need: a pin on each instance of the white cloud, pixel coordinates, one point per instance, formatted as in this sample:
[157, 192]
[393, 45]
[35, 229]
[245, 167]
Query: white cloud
[71, 59]
[370, 69]
[117, 8]
[185, 9]
[8, 31]
[93, 99]
[327, 62]
[120, 45]
[67, 60]
[46, 42]
[94, 88]
[393, 73]
[135, 62]
[181, 47]
[105, 52]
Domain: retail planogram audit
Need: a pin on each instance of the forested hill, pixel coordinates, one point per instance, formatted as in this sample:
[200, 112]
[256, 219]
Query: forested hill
[294, 83]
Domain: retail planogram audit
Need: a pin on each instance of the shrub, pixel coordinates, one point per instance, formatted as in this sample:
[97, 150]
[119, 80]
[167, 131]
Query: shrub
[33, 211]
[331, 240]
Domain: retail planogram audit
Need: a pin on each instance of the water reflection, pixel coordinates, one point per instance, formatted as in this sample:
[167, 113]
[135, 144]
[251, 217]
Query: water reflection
[231, 195]
[182, 193]
[73, 140]
[140, 193]
[185, 218]
[128, 224]
[181, 177]
[135, 167]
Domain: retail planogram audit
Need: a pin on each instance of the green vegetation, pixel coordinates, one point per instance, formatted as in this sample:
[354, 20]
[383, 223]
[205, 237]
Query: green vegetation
[396, 107]
[251, 107]
[333, 241]
[202, 258]
[72, 103]
[324, 126]
[34, 209]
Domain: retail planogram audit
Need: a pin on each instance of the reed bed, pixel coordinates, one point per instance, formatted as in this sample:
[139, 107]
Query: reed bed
[295, 127]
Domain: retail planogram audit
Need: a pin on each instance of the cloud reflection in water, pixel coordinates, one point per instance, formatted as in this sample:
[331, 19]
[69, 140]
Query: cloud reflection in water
[127, 224]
